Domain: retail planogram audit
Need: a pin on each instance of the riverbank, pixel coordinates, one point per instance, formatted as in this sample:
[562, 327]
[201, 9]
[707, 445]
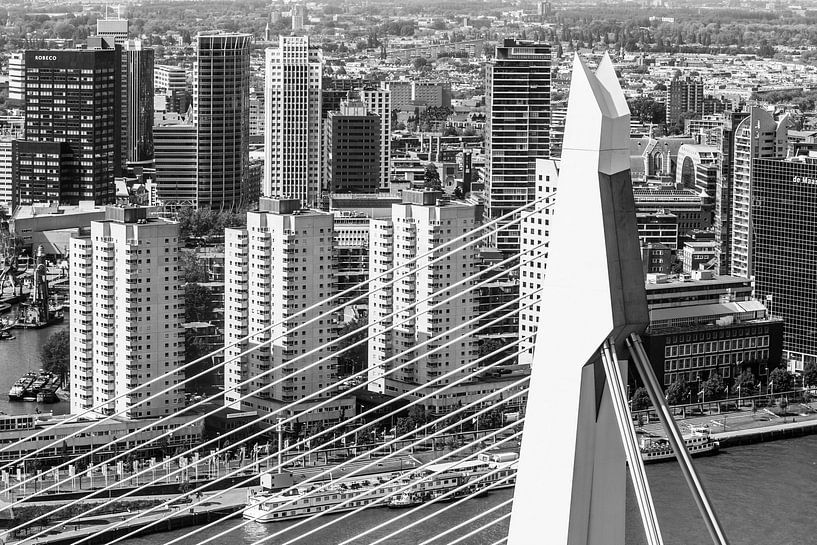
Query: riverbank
[105, 528]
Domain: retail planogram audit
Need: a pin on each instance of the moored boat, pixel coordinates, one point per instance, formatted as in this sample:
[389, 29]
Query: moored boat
[354, 492]
[698, 443]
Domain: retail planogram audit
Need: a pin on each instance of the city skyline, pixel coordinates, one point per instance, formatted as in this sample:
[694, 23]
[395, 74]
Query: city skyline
[257, 251]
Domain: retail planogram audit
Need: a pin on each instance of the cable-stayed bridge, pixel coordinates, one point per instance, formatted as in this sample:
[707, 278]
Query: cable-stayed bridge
[570, 476]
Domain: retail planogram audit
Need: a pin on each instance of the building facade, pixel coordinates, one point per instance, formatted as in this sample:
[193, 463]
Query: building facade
[378, 102]
[757, 136]
[138, 113]
[73, 96]
[221, 109]
[127, 307]
[352, 149]
[175, 160]
[282, 263]
[784, 238]
[517, 130]
[534, 243]
[423, 221]
[292, 125]
[684, 95]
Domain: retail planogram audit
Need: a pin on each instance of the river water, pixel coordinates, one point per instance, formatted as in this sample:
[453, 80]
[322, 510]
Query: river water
[22, 354]
[760, 492]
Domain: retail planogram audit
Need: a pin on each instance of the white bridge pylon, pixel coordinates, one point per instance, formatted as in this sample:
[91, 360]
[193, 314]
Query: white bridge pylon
[571, 485]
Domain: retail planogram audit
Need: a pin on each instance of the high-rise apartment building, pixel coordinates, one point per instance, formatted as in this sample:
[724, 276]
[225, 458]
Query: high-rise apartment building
[758, 136]
[784, 240]
[517, 129]
[127, 308]
[684, 95]
[73, 96]
[425, 220]
[282, 263]
[6, 183]
[352, 149]
[138, 112]
[221, 109]
[719, 131]
[378, 102]
[534, 241]
[292, 126]
[175, 161]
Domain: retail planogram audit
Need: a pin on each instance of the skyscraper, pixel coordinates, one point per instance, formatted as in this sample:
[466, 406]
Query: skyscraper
[719, 131]
[758, 136]
[221, 109]
[423, 221]
[378, 102]
[113, 32]
[292, 127]
[517, 129]
[73, 96]
[263, 288]
[784, 242]
[138, 115]
[352, 149]
[127, 308]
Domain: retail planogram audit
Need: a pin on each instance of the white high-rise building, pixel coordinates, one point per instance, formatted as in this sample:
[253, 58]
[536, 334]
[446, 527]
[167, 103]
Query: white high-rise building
[17, 77]
[6, 185]
[422, 222]
[535, 231]
[292, 121]
[378, 101]
[127, 308]
[281, 263]
[757, 136]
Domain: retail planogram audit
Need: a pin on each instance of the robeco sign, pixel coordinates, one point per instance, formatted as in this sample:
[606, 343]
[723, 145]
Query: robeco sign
[45, 57]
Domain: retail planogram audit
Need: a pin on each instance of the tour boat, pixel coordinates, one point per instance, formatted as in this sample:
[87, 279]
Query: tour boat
[698, 443]
[303, 501]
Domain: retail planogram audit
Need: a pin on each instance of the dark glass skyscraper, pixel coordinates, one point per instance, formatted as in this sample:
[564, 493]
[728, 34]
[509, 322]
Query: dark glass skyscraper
[221, 109]
[73, 96]
[517, 130]
[138, 130]
[784, 243]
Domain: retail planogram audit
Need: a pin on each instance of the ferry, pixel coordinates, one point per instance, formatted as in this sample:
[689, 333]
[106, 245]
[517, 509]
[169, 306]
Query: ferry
[302, 501]
[698, 443]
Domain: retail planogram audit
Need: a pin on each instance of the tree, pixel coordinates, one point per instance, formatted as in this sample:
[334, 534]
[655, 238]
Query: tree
[198, 303]
[54, 354]
[641, 399]
[192, 268]
[746, 382]
[782, 380]
[713, 387]
[355, 359]
[419, 62]
[678, 392]
[810, 374]
[432, 178]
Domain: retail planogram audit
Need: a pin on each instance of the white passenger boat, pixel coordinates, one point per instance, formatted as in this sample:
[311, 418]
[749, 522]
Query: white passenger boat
[304, 501]
[698, 443]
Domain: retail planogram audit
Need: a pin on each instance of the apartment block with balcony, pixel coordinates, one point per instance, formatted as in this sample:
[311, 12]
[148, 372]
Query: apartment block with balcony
[281, 264]
[127, 307]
